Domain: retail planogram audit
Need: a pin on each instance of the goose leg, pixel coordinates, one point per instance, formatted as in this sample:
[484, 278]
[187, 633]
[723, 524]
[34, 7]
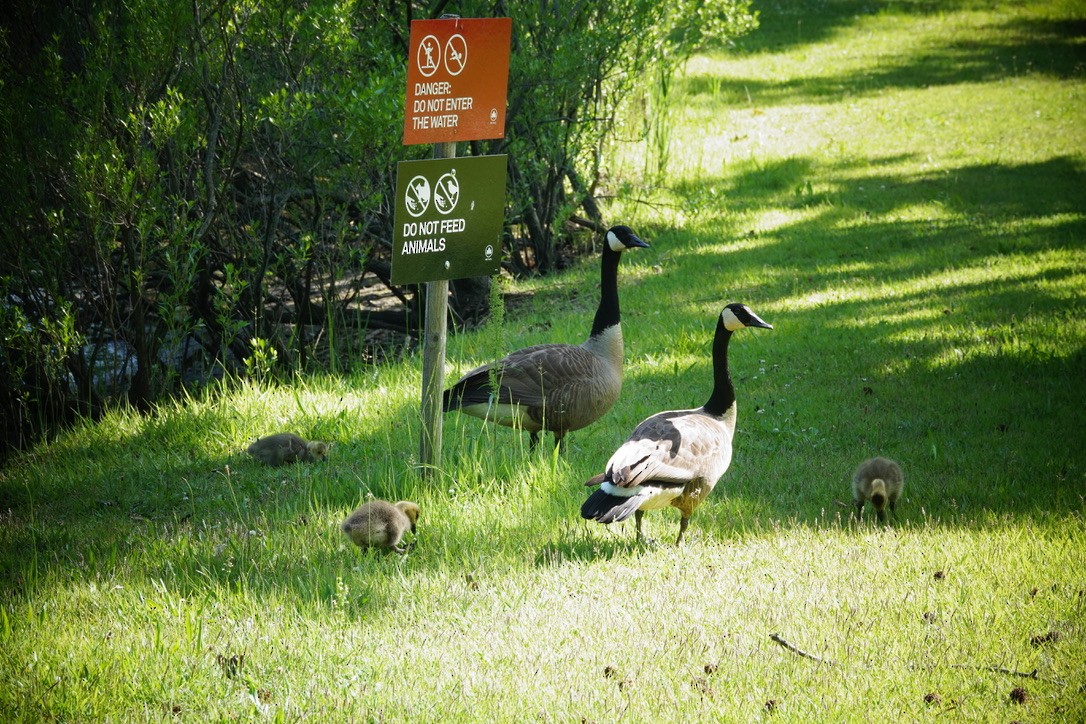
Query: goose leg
[533, 440]
[641, 537]
[683, 522]
[638, 515]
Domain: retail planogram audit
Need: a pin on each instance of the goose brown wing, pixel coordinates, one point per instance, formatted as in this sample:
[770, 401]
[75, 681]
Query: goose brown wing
[670, 447]
[522, 376]
[533, 375]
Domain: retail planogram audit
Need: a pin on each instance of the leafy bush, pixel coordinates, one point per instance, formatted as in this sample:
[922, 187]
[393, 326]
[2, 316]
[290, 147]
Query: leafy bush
[184, 178]
[573, 66]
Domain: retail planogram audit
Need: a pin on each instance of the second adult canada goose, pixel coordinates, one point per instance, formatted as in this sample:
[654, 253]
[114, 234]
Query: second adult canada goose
[675, 457]
[555, 387]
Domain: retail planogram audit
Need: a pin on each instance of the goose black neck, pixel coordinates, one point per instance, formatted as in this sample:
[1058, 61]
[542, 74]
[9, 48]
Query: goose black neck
[723, 391]
[607, 314]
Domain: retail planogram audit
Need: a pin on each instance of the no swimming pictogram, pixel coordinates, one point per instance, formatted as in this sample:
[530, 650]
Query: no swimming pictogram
[431, 57]
[456, 54]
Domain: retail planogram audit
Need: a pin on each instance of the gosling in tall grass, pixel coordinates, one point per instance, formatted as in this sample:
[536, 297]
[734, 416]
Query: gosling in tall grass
[879, 480]
[285, 447]
[380, 524]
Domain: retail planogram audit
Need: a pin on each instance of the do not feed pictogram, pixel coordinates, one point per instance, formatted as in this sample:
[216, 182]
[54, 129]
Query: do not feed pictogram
[457, 78]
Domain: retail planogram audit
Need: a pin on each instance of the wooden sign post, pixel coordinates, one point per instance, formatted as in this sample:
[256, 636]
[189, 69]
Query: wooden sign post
[457, 79]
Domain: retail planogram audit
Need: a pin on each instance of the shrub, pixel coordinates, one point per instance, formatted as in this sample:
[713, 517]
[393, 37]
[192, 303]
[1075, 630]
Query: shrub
[185, 178]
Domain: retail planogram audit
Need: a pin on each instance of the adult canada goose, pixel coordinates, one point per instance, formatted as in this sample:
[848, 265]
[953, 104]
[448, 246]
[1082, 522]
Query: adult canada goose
[555, 387]
[675, 457]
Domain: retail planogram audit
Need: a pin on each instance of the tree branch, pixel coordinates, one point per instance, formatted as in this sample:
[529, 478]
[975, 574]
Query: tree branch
[796, 650]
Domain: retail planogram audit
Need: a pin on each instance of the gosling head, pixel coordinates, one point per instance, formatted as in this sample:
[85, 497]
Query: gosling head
[878, 495]
[411, 511]
[317, 450]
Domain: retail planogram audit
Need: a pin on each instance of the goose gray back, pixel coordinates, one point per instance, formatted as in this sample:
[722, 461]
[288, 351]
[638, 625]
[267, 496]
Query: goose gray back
[675, 458]
[555, 387]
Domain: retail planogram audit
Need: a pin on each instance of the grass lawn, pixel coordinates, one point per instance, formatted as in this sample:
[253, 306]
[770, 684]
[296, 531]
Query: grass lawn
[900, 189]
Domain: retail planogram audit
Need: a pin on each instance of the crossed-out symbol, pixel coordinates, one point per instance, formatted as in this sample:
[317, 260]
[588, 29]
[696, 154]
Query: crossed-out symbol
[445, 194]
[456, 54]
[417, 197]
[429, 58]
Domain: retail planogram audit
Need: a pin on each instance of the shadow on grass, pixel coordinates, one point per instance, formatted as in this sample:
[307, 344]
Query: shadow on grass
[986, 192]
[1018, 47]
[983, 418]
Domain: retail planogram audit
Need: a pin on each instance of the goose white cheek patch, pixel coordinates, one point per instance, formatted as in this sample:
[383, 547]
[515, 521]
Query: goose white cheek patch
[614, 243]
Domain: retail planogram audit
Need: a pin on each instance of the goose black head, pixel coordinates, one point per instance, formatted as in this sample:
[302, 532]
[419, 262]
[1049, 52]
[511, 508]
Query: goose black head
[621, 238]
[736, 316]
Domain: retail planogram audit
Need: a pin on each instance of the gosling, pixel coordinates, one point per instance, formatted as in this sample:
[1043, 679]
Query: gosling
[286, 447]
[879, 480]
[380, 524]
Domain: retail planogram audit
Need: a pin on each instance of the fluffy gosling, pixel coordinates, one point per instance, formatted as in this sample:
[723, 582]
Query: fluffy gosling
[286, 447]
[879, 480]
[380, 524]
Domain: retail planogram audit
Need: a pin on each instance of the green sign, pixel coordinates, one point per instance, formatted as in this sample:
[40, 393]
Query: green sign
[448, 220]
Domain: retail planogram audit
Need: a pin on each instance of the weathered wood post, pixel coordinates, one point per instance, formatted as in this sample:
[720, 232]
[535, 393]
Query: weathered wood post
[433, 358]
[449, 212]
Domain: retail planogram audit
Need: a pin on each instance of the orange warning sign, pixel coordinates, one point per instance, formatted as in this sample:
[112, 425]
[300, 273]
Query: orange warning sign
[457, 78]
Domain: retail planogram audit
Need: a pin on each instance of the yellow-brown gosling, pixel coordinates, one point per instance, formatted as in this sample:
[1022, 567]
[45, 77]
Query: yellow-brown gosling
[380, 524]
[879, 480]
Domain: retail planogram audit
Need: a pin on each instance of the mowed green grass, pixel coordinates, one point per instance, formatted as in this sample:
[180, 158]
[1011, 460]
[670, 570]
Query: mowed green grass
[900, 189]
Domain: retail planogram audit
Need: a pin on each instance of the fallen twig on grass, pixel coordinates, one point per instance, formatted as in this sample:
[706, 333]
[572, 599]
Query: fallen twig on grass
[1010, 672]
[796, 650]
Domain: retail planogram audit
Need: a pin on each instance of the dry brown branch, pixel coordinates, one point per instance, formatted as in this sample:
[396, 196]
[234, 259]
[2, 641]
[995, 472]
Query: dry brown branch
[1010, 672]
[796, 650]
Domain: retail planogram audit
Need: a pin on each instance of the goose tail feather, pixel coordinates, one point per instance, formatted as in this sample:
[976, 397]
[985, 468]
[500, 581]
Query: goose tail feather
[607, 508]
[595, 480]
